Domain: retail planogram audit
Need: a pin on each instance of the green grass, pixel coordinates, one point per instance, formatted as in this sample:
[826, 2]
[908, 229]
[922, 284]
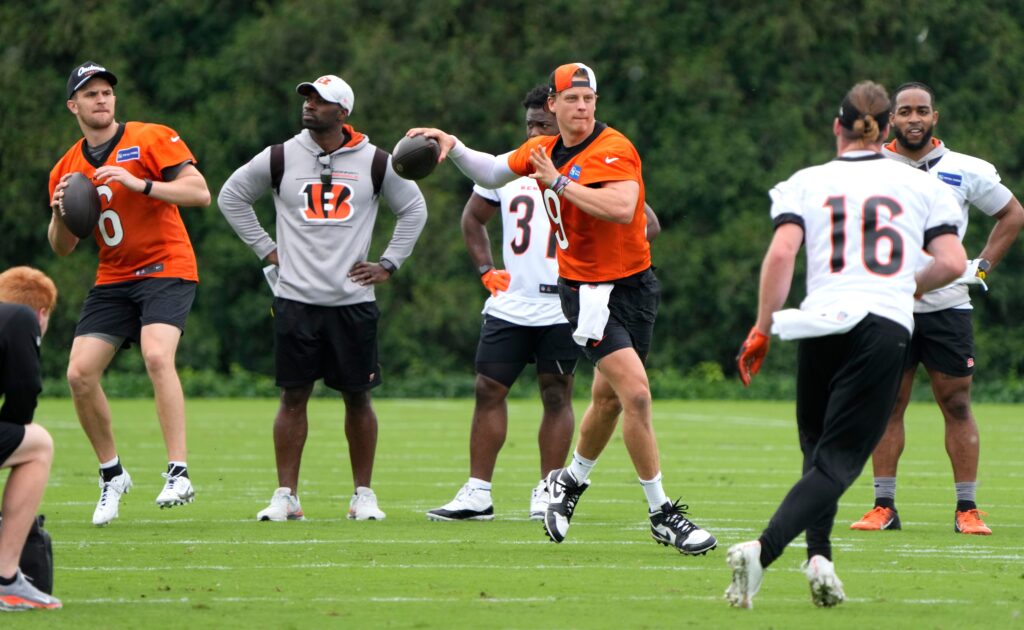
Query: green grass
[211, 565]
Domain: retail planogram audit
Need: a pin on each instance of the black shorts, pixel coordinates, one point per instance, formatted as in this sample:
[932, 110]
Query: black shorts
[11, 437]
[123, 308]
[505, 349]
[335, 343]
[632, 306]
[943, 341]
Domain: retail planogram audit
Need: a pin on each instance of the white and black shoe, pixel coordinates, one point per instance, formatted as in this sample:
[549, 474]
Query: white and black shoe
[564, 492]
[110, 497]
[469, 504]
[670, 527]
[539, 501]
[177, 490]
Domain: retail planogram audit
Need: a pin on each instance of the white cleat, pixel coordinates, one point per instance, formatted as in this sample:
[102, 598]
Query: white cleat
[747, 573]
[284, 506]
[469, 504]
[826, 589]
[539, 501]
[363, 506]
[110, 498]
[177, 491]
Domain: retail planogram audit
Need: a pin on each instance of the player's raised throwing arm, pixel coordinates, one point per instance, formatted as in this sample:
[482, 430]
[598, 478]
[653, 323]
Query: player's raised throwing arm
[488, 170]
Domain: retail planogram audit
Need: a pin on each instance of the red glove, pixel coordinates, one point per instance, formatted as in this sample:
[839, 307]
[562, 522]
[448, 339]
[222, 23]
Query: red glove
[752, 354]
[496, 280]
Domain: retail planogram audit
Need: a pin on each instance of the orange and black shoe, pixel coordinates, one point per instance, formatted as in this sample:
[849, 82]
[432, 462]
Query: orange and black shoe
[969, 522]
[879, 518]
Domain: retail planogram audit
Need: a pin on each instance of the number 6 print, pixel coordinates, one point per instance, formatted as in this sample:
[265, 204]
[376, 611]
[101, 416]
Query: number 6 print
[109, 223]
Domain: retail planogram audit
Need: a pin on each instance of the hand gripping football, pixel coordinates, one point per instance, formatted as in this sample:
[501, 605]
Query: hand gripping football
[415, 157]
[80, 206]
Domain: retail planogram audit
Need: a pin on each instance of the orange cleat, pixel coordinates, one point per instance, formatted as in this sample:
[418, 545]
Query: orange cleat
[877, 519]
[969, 522]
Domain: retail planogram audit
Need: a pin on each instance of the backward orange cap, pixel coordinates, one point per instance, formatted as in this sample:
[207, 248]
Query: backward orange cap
[564, 77]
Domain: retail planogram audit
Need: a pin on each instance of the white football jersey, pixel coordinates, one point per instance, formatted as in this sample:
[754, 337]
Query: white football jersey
[865, 221]
[974, 182]
[528, 251]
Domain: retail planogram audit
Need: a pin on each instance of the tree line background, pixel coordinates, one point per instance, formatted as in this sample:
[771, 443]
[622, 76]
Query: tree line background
[722, 100]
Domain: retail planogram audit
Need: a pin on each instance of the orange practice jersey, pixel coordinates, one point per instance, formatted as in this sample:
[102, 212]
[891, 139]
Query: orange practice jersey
[138, 236]
[593, 249]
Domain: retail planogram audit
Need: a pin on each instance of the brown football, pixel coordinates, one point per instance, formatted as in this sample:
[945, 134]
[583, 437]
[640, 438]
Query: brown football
[415, 157]
[80, 207]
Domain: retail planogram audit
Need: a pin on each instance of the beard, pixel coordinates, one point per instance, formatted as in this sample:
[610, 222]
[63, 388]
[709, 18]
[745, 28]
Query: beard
[926, 138]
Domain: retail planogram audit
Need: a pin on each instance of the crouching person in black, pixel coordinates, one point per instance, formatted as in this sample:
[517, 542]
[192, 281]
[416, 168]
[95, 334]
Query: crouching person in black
[27, 297]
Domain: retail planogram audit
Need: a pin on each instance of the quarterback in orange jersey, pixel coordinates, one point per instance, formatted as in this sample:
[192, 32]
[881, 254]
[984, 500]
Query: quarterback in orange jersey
[593, 193]
[146, 279]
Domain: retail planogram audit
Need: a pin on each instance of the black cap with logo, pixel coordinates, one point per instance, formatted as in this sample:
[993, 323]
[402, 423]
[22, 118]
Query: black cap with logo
[88, 70]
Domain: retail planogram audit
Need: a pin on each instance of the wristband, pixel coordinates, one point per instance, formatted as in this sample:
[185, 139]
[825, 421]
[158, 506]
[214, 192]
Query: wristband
[388, 266]
[484, 268]
[149, 186]
[558, 186]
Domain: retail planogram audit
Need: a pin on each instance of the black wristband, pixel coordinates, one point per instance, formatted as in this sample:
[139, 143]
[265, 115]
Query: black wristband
[388, 266]
[484, 268]
[149, 186]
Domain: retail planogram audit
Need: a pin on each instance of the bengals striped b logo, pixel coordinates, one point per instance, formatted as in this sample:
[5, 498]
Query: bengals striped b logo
[327, 203]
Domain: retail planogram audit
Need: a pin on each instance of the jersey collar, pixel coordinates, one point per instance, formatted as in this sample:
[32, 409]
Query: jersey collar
[112, 144]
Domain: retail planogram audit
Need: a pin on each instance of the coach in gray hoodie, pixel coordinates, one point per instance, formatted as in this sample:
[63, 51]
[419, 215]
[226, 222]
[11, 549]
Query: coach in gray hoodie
[327, 182]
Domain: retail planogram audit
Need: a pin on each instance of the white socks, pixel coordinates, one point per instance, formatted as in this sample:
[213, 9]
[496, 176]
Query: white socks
[655, 492]
[580, 467]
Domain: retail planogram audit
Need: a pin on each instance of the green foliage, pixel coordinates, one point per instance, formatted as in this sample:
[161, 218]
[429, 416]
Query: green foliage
[722, 100]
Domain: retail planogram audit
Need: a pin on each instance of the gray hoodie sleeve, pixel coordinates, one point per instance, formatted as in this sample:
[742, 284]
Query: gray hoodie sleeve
[243, 188]
[407, 202]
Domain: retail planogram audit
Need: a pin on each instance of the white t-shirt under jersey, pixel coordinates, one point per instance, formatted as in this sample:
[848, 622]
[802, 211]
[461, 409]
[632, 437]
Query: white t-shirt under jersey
[974, 182]
[528, 252]
[865, 220]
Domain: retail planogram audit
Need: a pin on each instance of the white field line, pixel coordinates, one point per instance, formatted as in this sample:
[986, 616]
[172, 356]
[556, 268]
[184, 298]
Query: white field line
[491, 566]
[675, 597]
[976, 552]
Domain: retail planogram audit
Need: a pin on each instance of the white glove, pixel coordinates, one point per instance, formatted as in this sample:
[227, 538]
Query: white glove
[973, 274]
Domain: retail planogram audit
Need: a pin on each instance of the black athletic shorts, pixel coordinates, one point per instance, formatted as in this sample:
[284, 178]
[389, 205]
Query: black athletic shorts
[943, 341]
[123, 308]
[11, 437]
[505, 349]
[335, 343]
[632, 306]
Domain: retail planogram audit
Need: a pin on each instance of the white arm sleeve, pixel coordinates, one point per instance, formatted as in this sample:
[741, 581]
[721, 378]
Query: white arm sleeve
[487, 170]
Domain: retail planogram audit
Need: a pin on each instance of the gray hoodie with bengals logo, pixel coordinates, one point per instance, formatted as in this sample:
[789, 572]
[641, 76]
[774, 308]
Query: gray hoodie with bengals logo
[322, 231]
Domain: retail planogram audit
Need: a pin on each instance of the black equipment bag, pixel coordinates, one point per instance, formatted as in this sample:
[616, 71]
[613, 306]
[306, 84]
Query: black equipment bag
[37, 556]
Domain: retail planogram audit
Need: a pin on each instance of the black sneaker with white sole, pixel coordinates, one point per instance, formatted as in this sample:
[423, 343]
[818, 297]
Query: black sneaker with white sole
[563, 493]
[669, 526]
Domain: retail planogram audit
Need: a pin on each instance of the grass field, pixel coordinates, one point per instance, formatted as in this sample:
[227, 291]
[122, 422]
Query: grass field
[211, 565]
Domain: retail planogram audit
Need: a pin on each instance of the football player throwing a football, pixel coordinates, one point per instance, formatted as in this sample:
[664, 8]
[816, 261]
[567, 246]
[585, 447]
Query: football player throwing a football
[593, 195]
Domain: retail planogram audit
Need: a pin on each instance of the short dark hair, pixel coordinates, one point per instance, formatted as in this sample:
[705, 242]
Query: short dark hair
[537, 97]
[913, 85]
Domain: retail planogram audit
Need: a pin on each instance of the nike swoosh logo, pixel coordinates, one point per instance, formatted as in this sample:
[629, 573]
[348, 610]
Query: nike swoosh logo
[666, 532]
[175, 138]
[609, 160]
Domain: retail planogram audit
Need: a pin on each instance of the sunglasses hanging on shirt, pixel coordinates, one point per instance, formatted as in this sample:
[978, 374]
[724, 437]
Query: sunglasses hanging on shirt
[326, 175]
